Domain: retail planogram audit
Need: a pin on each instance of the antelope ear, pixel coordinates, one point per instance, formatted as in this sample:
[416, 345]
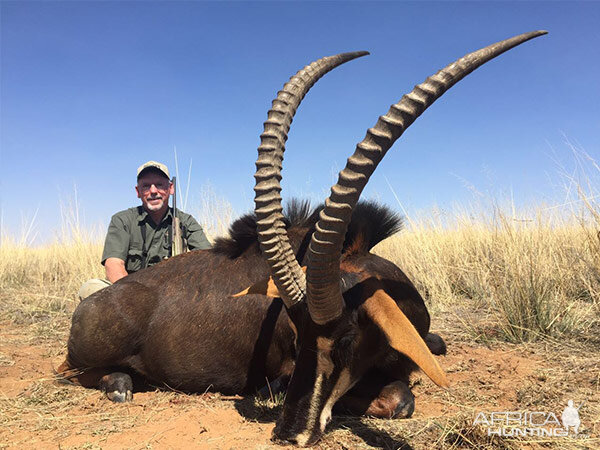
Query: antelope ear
[265, 287]
[402, 335]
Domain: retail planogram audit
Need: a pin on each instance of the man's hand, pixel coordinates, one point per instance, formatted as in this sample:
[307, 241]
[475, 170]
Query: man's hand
[115, 269]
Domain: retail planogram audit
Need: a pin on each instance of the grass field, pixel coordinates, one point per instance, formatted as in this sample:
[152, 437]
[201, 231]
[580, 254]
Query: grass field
[516, 295]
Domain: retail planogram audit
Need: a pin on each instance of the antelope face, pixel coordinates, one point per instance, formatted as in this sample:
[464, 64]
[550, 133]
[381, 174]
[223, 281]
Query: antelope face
[331, 359]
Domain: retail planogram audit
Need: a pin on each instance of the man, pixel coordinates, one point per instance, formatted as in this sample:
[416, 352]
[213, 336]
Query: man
[140, 237]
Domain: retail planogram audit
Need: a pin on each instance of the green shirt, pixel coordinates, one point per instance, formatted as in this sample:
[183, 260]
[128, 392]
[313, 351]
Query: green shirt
[134, 237]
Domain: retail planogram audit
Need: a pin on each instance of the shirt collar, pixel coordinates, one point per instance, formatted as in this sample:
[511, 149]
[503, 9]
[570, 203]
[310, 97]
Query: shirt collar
[143, 215]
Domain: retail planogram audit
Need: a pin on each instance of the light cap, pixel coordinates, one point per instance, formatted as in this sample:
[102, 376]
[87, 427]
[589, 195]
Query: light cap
[154, 165]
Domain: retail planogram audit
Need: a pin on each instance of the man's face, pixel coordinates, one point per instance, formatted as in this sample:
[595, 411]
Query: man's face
[154, 190]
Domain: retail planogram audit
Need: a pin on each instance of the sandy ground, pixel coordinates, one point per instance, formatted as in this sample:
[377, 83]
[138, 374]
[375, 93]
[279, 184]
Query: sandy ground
[36, 412]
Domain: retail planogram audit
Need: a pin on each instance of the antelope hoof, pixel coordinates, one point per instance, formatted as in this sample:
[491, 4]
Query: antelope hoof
[395, 401]
[405, 408]
[436, 344]
[117, 386]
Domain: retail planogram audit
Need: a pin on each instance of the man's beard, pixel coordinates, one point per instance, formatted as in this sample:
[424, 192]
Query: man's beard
[156, 206]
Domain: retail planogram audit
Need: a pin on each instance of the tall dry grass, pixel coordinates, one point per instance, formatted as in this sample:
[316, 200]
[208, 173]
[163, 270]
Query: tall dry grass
[213, 212]
[505, 276]
[38, 285]
[501, 274]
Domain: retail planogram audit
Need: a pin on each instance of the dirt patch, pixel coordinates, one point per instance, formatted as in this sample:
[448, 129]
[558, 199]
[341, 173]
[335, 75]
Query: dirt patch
[38, 413]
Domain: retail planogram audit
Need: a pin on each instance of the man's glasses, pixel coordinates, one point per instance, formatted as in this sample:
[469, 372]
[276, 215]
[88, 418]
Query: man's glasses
[159, 187]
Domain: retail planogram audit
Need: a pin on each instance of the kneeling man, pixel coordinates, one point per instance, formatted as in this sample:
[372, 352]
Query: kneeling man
[140, 237]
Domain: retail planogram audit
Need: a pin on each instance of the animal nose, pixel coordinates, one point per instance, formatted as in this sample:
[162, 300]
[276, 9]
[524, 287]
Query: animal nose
[283, 435]
[280, 434]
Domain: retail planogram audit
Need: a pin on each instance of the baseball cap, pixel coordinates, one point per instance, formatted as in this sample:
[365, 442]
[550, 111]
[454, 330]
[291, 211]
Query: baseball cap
[153, 165]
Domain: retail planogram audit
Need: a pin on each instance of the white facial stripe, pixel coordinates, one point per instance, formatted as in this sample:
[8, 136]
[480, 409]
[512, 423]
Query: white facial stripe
[325, 415]
[313, 409]
[324, 370]
[324, 362]
[302, 438]
[342, 385]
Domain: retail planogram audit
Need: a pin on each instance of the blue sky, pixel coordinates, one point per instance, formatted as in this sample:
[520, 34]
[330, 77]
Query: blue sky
[90, 90]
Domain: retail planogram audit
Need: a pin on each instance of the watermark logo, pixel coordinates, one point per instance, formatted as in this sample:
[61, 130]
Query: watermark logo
[570, 417]
[531, 423]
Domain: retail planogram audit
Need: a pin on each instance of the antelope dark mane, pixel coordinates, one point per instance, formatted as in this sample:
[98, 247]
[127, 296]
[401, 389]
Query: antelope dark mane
[371, 223]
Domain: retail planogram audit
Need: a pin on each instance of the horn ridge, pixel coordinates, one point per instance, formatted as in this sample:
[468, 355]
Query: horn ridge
[272, 235]
[324, 295]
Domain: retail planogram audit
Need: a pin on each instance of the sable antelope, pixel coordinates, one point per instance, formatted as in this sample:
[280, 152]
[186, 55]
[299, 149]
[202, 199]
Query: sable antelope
[344, 330]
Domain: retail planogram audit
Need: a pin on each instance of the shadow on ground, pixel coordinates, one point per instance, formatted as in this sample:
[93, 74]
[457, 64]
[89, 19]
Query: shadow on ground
[261, 411]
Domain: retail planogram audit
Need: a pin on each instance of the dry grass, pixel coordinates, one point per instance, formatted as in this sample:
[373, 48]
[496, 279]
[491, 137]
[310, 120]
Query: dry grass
[214, 213]
[522, 276]
[523, 279]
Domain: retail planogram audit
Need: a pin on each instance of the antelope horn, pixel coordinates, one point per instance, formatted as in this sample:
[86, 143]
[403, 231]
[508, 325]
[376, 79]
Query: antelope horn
[324, 295]
[272, 235]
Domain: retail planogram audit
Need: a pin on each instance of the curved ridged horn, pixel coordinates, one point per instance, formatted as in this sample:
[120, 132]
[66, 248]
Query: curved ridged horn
[325, 301]
[272, 235]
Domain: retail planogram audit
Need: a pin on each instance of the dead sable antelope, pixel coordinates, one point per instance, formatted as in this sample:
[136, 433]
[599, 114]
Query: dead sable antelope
[345, 330]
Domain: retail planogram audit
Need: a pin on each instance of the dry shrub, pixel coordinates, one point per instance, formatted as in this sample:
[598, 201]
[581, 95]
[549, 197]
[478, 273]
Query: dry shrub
[41, 284]
[530, 275]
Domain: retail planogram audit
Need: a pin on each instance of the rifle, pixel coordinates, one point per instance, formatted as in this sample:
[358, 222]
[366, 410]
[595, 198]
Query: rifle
[176, 237]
